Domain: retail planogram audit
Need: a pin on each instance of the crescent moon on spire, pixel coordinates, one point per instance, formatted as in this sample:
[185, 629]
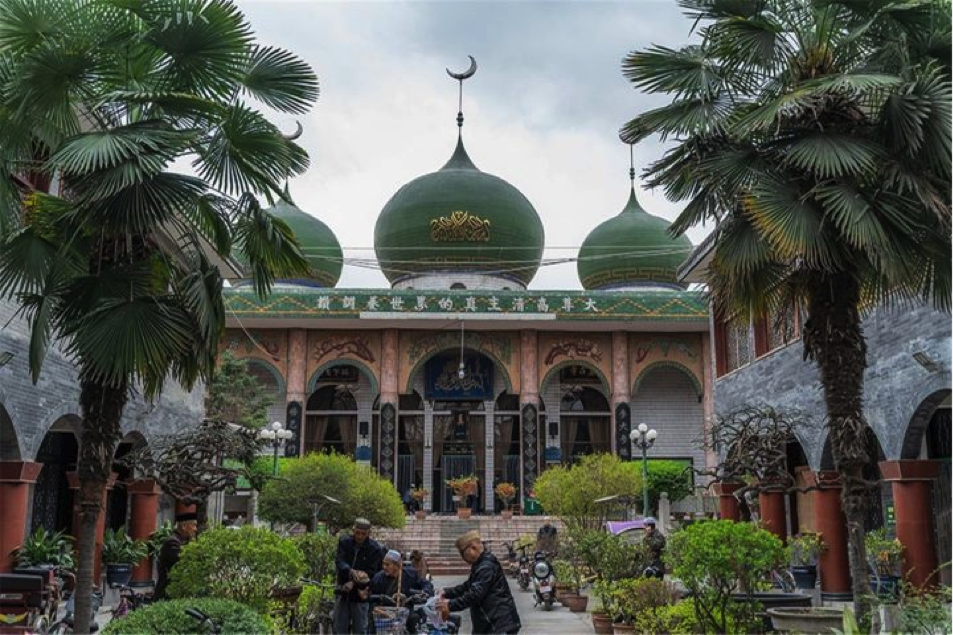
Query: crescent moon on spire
[465, 74]
[296, 134]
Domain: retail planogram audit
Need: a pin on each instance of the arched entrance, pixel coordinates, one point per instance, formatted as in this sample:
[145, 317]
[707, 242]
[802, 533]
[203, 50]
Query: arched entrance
[879, 498]
[338, 411]
[929, 436]
[585, 422]
[667, 397]
[506, 443]
[117, 501]
[52, 497]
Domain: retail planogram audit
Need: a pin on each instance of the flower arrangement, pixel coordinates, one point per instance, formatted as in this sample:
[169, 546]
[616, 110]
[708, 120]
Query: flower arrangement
[419, 494]
[506, 492]
[463, 486]
[805, 548]
[883, 554]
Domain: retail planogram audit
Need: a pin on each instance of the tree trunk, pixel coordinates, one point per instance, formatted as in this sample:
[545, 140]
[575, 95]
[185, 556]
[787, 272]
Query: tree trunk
[102, 408]
[834, 338]
[201, 513]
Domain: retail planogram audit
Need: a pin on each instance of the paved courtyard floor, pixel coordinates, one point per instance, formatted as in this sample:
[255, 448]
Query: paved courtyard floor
[536, 621]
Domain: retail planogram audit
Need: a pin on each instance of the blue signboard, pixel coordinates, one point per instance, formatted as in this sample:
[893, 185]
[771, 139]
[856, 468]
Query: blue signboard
[445, 383]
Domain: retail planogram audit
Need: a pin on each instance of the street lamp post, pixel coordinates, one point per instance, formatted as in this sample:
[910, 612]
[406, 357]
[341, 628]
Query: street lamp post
[275, 434]
[644, 438]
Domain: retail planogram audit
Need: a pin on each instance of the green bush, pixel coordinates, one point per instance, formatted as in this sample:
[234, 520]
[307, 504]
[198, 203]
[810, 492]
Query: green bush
[302, 481]
[632, 598]
[926, 612]
[608, 556]
[168, 617]
[670, 477]
[244, 565]
[319, 551]
[674, 619]
[718, 558]
[570, 492]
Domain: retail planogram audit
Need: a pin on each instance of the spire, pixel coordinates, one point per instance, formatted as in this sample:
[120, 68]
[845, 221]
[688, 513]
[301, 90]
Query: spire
[460, 77]
[633, 203]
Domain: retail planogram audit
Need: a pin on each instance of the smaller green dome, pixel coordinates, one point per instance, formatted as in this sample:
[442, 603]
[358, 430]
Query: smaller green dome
[318, 244]
[631, 249]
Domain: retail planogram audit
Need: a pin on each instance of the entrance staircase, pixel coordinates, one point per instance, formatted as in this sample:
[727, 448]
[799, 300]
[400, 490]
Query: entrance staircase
[435, 536]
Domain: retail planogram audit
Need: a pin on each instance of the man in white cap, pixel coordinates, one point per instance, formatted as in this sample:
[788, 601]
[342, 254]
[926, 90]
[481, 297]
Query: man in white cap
[396, 572]
[486, 592]
[358, 560]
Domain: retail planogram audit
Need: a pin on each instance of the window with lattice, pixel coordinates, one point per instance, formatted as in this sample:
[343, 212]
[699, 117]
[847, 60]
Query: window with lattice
[737, 344]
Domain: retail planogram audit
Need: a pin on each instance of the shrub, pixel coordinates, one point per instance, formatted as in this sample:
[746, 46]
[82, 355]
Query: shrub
[120, 548]
[163, 618]
[246, 565]
[570, 492]
[674, 619]
[43, 547]
[718, 558]
[610, 557]
[302, 481]
[670, 477]
[633, 597]
[319, 551]
[926, 612]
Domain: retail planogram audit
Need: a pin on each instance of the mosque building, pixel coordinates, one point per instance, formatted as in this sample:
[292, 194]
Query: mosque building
[459, 367]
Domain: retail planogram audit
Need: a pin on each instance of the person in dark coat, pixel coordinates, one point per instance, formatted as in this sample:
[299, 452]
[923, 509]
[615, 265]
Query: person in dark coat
[486, 592]
[655, 545]
[186, 526]
[411, 583]
[358, 560]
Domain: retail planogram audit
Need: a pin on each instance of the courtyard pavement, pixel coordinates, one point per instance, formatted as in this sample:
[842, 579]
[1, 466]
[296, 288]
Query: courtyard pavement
[536, 621]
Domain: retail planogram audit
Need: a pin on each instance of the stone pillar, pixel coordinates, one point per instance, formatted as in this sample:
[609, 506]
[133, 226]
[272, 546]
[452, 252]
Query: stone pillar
[15, 480]
[831, 524]
[73, 480]
[389, 394]
[622, 412]
[296, 390]
[912, 481]
[529, 412]
[428, 458]
[489, 410]
[143, 514]
[728, 507]
[773, 513]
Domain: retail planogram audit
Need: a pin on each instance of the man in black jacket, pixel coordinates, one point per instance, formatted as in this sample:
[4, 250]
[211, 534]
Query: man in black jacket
[358, 560]
[186, 526]
[486, 593]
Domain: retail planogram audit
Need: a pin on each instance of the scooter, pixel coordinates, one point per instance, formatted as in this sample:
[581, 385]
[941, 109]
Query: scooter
[523, 575]
[543, 580]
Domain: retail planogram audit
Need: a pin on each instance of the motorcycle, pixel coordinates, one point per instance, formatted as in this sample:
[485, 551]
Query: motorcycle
[543, 580]
[523, 575]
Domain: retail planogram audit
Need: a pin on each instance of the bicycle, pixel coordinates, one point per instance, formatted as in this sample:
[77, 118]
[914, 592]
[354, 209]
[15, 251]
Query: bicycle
[129, 600]
[65, 625]
[783, 579]
[319, 616]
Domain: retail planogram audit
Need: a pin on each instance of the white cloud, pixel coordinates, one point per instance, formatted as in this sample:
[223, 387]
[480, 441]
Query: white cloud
[542, 112]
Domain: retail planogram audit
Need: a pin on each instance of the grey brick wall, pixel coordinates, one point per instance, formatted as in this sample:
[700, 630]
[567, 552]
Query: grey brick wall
[895, 384]
[668, 402]
[33, 408]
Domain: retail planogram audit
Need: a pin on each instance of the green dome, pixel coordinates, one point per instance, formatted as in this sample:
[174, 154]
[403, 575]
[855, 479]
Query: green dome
[318, 244]
[459, 219]
[631, 249]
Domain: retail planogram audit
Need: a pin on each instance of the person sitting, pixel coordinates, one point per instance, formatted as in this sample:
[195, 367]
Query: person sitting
[385, 581]
[419, 563]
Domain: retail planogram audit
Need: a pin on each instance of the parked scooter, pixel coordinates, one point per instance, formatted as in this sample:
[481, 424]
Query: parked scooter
[523, 574]
[543, 580]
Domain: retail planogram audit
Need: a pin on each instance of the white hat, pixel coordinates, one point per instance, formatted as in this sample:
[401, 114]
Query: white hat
[392, 555]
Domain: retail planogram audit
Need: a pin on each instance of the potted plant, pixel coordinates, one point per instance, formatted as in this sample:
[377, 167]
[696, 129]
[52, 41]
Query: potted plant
[572, 576]
[804, 549]
[419, 494]
[120, 554]
[45, 549]
[884, 556]
[463, 487]
[603, 611]
[506, 492]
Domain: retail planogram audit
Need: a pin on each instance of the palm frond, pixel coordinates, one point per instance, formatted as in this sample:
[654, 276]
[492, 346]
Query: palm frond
[687, 72]
[269, 245]
[281, 80]
[830, 155]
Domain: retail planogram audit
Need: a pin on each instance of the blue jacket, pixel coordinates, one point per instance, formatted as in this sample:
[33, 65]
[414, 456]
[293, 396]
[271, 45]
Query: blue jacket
[366, 557]
[410, 583]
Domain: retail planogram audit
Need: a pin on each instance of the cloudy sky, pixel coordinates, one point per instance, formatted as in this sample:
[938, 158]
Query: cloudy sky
[543, 111]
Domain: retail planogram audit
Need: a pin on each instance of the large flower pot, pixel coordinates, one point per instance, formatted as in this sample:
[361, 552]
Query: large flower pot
[575, 603]
[805, 577]
[623, 629]
[118, 574]
[886, 587]
[464, 512]
[810, 621]
[774, 600]
[602, 623]
[420, 514]
[506, 514]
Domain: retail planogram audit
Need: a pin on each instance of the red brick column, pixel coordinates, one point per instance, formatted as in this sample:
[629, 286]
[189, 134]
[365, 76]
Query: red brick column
[144, 510]
[831, 524]
[15, 480]
[73, 479]
[728, 507]
[912, 481]
[773, 514]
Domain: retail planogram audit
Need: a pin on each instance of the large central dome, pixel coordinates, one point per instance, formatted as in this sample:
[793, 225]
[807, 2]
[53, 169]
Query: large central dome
[459, 228]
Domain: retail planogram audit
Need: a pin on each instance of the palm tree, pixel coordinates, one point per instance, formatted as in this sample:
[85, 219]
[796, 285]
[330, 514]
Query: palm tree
[815, 134]
[105, 247]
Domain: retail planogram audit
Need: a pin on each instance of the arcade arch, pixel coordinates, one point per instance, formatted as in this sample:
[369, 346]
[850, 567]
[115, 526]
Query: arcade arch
[575, 399]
